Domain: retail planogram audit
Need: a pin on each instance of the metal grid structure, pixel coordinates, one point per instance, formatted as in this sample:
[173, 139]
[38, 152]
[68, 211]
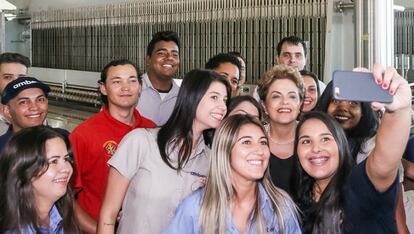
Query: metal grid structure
[404, 32]
[88, 38]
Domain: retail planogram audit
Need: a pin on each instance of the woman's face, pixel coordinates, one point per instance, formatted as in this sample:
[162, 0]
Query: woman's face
[311, 94]
[282, 101]
[52, 184]
[317, 151]
[347, 113]
[212, 107]
[250, 154]
[245, 108]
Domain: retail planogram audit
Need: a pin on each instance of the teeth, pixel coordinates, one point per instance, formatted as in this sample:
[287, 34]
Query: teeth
[167, 65]
[60, 180]
[319, 160]
[284, 110]
[217, 116]
[340, 117]
[34, 116]
[255, 162]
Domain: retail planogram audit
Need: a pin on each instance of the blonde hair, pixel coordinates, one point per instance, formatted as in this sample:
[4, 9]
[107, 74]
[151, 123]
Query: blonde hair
[219, 189]
[279, 72]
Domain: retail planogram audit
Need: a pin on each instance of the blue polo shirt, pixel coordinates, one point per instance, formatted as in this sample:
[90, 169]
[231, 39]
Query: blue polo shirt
[186, 219]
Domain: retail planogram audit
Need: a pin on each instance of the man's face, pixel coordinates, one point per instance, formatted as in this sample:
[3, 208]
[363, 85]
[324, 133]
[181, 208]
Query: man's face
[292, 55]
[10, 72]
[164, 60]
[121, 87]
[27, 109]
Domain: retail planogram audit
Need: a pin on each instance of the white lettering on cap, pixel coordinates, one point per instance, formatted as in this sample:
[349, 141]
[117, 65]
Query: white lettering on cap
[26, 82]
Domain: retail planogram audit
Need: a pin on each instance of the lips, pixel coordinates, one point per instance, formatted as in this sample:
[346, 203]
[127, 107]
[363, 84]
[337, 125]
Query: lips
[307, 101]
[284, 110]
[318, 161]
[62, 180]
[34, 116]
[255, 162]
[217, 116]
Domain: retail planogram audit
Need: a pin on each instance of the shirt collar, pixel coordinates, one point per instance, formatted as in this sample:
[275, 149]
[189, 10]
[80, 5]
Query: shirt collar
[55, 219]
[146, 84]
[173, 150]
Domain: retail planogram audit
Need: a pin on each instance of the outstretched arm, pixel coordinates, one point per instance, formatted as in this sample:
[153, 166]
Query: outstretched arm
[114, 195]
[393, 132]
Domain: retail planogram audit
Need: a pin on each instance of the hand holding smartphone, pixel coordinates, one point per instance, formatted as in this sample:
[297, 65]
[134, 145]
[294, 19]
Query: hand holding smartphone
[358, 86]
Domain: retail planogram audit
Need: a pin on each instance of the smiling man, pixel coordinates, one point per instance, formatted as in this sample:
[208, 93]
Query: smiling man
[25, 104]
[96, 139]
[159, 91]
[12, 66]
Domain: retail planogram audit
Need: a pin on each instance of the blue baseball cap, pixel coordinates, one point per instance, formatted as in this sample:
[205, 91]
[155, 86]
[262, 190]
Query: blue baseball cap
[13, 88]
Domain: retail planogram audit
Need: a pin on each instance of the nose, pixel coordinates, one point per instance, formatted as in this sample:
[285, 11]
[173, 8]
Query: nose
[125, 86]
[315, 147]
[66, 167]
[33, 106]
[343, 104]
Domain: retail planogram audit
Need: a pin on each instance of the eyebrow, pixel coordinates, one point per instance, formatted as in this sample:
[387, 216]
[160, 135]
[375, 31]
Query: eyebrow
[118, 77]
[24, 98]
[165, 49]
[57, 156]
[323, 134]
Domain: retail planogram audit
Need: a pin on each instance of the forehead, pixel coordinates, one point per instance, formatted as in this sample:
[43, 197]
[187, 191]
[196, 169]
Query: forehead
[292, 48]
[308, 80]
[28, 93]
[250, 130]
[228, 68]
[121, 69]
[10, 67]
[218, 87]
[166, 45]
[283, 85]
[313, 127]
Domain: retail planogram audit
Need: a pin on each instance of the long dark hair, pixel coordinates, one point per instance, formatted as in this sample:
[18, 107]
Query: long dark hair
[177, 131]
[365, 129]
[23, 159]
[327, 215]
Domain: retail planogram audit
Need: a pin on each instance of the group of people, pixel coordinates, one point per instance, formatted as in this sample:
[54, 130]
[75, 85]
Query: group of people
[199, 158]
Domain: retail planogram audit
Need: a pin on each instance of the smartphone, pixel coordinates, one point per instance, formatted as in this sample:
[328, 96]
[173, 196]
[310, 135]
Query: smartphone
[358, 86]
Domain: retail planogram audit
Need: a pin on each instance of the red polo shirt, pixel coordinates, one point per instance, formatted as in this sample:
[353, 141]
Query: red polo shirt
[93, 143]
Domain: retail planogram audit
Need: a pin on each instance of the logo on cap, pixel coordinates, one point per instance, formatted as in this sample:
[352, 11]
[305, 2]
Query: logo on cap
[26, 82]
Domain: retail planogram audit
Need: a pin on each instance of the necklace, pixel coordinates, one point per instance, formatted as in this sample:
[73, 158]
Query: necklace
[278, 143]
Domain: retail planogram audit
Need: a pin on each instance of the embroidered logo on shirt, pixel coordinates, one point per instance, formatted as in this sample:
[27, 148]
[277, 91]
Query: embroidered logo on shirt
[110, 147]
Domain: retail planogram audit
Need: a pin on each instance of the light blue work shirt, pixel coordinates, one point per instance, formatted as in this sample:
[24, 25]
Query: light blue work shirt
[186, 219]
[54, 225]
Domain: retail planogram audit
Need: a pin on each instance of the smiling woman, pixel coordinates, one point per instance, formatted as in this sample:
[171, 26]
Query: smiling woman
[238, 187]
[35, 169]
[152, 175]
[337, 196]
[281, 91]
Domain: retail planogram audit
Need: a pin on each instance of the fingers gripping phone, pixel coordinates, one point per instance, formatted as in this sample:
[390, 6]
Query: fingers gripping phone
[358, 86]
